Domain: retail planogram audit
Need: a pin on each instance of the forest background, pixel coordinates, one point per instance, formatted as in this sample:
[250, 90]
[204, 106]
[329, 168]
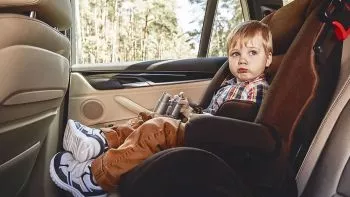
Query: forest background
[138, 30]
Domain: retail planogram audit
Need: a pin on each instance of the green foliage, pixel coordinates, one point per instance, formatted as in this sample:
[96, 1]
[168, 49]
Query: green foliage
[228, 15]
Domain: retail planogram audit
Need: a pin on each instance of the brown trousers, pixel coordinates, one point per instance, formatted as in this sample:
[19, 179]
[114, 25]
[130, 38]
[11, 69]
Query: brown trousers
[132, 143]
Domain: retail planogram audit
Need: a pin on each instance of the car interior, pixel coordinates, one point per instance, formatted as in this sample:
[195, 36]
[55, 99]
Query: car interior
[295, 144]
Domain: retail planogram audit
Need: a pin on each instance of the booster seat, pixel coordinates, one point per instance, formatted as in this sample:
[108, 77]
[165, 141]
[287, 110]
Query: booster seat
[307, 55]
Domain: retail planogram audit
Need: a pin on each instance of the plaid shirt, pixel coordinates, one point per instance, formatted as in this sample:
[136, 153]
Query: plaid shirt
[233, 90]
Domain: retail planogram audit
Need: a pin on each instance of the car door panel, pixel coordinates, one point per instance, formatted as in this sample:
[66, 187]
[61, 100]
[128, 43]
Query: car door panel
[112, 95]
[108, 81]
[92, 106]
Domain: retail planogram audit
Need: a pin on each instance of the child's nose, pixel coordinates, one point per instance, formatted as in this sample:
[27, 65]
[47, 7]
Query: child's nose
[242, 60]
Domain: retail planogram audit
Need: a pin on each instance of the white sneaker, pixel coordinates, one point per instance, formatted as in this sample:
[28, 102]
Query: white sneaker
[83, 142]
[74, 177]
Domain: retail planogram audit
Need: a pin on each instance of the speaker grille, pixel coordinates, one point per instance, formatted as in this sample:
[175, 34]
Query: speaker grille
[92, 109]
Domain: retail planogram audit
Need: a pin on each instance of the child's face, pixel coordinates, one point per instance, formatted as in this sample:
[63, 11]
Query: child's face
[248, 60]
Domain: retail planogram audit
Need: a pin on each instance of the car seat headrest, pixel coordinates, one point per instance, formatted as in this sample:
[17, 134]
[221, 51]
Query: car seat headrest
[286, 22]
[56, 13]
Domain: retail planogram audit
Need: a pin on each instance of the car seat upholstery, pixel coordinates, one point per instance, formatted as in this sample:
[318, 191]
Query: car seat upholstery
[333, 165]
[305, 74]
[328, 154]
[34, 73]
[179, 172]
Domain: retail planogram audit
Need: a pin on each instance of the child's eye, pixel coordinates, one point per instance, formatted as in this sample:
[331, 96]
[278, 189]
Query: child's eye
[235, 54]
[253, 52]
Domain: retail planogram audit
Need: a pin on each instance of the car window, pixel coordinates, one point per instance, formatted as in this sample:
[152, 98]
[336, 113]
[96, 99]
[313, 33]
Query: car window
[122, 31]
[285, 2]
[228, 15]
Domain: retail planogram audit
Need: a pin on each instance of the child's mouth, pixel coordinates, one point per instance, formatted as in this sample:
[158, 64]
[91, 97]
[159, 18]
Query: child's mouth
[242, 70]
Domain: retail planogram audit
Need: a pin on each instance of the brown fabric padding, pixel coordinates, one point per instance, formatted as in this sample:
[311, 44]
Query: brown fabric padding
[285, 24]
[210, 131]
[271, 71]
[295, 83]
[238, 109]
[314, 4]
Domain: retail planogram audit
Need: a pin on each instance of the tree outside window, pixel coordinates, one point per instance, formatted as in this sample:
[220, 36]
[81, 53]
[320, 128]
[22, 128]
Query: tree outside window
[136, 30]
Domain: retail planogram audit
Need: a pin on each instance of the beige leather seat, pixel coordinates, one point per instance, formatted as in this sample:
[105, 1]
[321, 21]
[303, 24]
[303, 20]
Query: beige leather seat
[34, 73]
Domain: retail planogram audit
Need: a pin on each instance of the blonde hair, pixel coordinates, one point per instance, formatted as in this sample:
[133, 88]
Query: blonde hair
[246, 31]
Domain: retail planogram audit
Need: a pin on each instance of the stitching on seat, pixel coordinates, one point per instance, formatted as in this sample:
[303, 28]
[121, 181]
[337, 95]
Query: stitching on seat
[314, 89]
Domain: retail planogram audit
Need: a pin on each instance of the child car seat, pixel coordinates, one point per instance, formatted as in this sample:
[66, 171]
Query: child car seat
[261, 151]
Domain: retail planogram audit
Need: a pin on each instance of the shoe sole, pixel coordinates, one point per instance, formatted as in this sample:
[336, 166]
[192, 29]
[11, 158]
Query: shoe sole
[77, 143]
[60, 183]
[63, 185]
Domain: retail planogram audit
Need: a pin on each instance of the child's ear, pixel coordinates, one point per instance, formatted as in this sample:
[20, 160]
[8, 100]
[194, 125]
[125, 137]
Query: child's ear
[268, 60]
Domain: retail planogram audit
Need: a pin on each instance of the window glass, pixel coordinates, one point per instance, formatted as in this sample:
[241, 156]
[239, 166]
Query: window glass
[136, 30]
[285, 2]
[228, 15]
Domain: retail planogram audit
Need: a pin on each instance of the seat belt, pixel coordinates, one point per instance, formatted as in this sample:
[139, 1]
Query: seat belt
[337, 105]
